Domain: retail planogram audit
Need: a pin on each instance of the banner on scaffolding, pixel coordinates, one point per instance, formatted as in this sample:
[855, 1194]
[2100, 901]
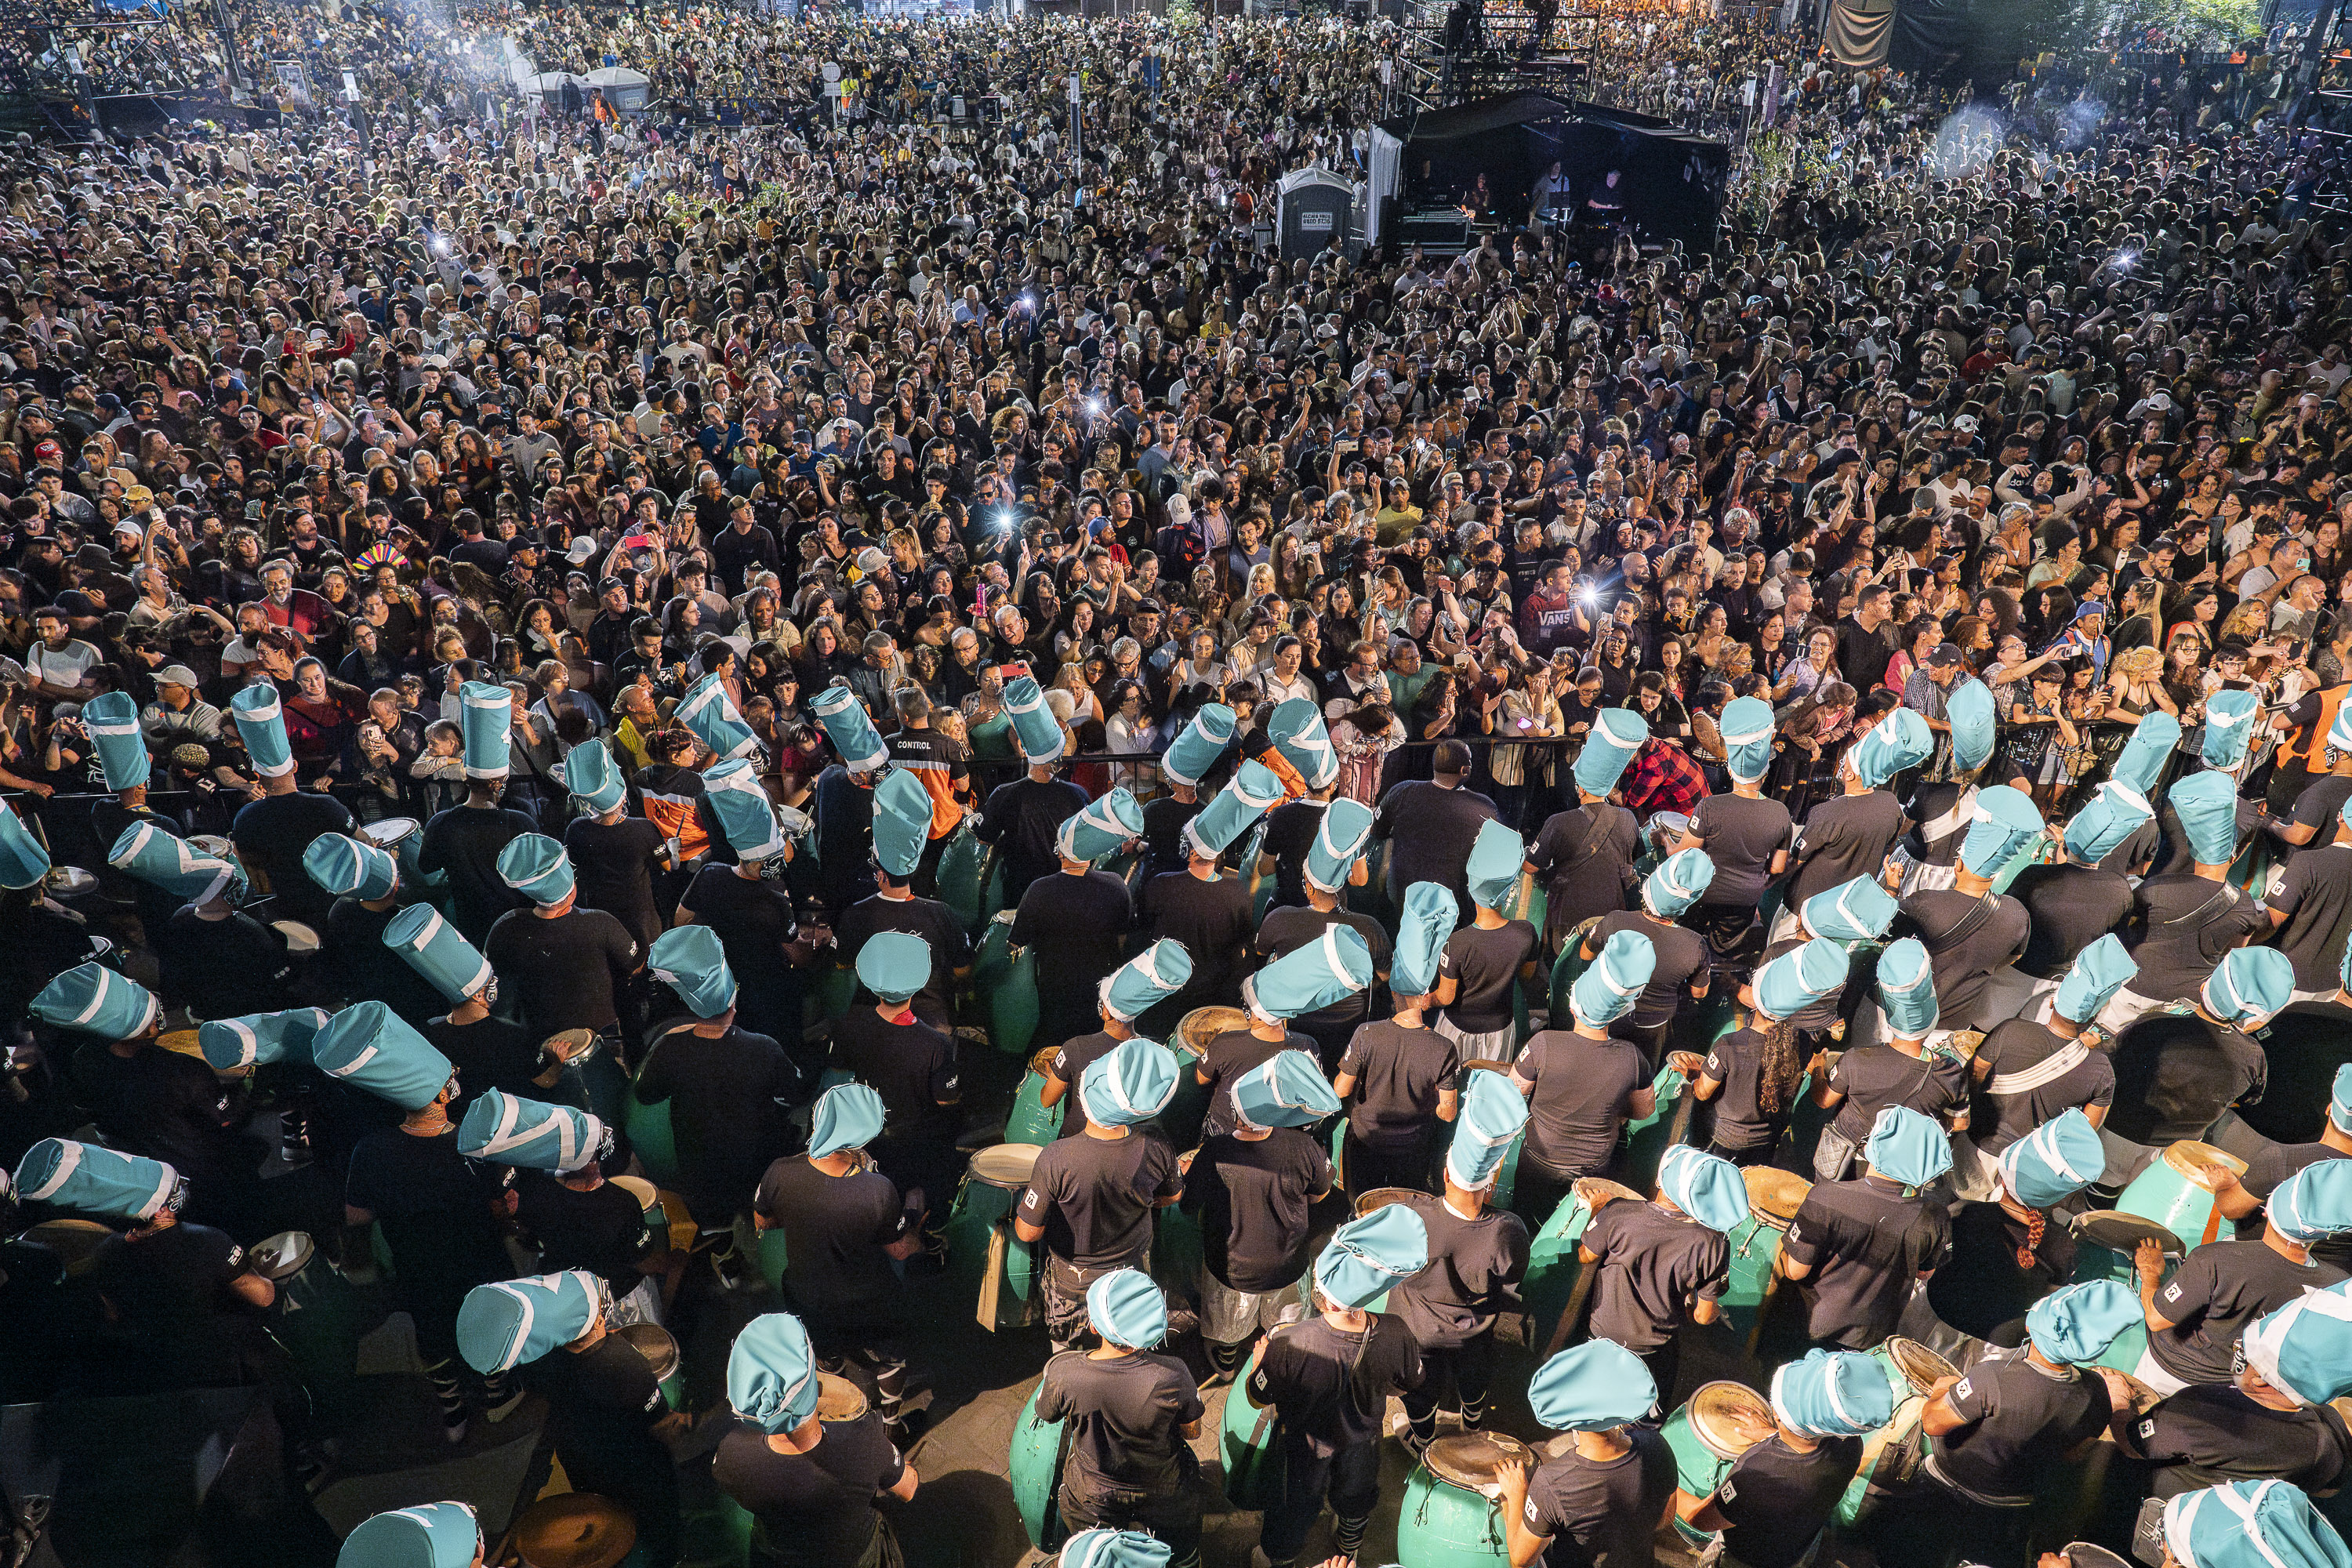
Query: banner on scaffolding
[1860, 33]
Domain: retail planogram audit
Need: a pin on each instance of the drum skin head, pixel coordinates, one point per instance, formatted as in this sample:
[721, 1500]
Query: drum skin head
[282, 1256]
[1920, 1366]
[1730, 1417]
[2187, 1156]
[1469, 1460]
[1381, 1197]
[838, 1399]
[655, 1344]
[574, 1529]
[1042, 1062]
[2120, 1232]
[1202, 1025]
[1774, 1197]
[1006, 1164]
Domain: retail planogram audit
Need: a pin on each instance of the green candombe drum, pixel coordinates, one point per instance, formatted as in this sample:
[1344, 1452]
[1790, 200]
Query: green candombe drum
[1007, 985]
[964, 865]
[1721, 1421]
[1647, 1140]
[651, 1137]
[1773, 1198]
[2175, 1191]
[1035, 1466]
[1555, 1279]
[316, 1316]
[984, 1255]
[1031, 1121]
[1449, 1518]
[2106, 1241]
[656, 1344]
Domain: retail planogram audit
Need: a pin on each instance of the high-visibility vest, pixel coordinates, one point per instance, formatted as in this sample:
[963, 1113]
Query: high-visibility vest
[2311, 747]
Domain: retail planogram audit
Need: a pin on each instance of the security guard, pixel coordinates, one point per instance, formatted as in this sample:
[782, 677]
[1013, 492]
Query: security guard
[902, 822]
[1607, 1492]
[1329, 1378]
[1077, 917]
[910, 1064]
[2195, 1319]
[605, 1413]
[2272, 1421]
[809, 1485]
[845, 1225]
[728, 1089]
[1090, 1198]
[1661, 1262]
[1252, 1189]
[1402, 1077]
[1582, 1084]
[1132, 1416]
[434, 1205]
[1857, 1246]
[1156, 974]
[1477, 1261]
[1768, 1510]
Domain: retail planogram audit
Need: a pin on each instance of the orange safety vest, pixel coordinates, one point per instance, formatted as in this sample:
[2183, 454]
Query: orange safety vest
[2311, 747]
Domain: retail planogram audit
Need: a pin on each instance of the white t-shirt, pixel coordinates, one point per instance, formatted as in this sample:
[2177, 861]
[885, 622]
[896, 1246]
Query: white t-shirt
[61, 667]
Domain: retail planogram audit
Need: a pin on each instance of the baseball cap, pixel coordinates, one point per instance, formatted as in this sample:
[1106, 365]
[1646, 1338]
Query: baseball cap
[177, 675]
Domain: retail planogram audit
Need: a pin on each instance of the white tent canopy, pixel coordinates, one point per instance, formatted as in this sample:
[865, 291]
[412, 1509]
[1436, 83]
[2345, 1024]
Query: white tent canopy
[625, 89]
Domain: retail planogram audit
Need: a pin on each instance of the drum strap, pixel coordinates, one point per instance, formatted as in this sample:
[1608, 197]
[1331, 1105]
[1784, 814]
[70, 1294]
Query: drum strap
[2048, 1070]
[1937, 828]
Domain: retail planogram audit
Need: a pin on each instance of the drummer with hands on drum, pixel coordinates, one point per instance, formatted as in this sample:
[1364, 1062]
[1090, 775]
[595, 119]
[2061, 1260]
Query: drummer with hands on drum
[1408, 1074]
[846, 1222]
[2196, 1318]
[1253, 1189]
[1090, 1198]
[1757, 1069]
[1868, 1079]
[1681, 970]
[1609, 1488]
[1150, 977]
[2272, 1421]
[1998, 1433]
[1858, 1247]
[1133, 1414]
[1478, 1262]
[1660, 1262]
[2240, 1198]
[809, 1483]
[1329, 1379]
[1770, 1506]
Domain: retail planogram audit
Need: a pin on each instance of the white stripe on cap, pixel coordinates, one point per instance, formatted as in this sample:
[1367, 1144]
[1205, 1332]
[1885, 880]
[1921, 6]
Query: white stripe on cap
[354, 1065]
[97, 997]
[1747, 737]
[163, 1184]
[249, 1043]
[512, 1357]
[66, 1165]
[2248, 1511]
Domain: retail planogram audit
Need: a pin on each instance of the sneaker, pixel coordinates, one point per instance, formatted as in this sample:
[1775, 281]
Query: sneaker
[727, 1264]
[454, 1427]
[504, 1405]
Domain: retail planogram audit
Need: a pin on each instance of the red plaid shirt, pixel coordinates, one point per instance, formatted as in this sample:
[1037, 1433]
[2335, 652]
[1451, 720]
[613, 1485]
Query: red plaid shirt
[1663, 778]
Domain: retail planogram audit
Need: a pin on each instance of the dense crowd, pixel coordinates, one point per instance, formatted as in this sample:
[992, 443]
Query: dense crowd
[543, 646]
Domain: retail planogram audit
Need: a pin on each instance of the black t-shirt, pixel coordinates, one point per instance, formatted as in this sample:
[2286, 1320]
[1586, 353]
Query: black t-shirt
[2272, 1166]
[2020, 1420]
[2211, 1435]
[1843, 837]
[1331, 1387]
[568, 973]
[2306, 1042]
[836, 1230]
[224, 968]
[1963, 948]
[1398, 1073]
[1585, 865]
[463, 844]
[911, 1066]
[1212, 921]
[2219, 1289]
[1584, 1093]
[1076, 924]
[1740, 835]
[1252, 1197]
[1072, 1060]
[1124, 1412]
[1603, 1512]
[1867, 1243]
[162, 1105]
[1776, 1499]
[1653, 1265]
[1286, 930]
[494, 1052]
[752, 918]
[602, 1403]
[1021, 819]
[2029, 1079]
[725, 1113]
[928, 918]
[2175, 1072]
[1736, 1061]
[272, 834]
[1290, 830]
[1228, 1056]
[2186, 926]
[359, 967]
[613, 866]
[171, 1288]
[1864, 655]
[2314, 891]
[1164, 818]
[1681, 960]
[434, 1204]
[1873, 1077]
[1431, 830]
[815, 1510]
[1476, 1269]
[2320, 805]
[602, 1231]
[1095, 1196]
[2070, 907]
[1485, 965]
